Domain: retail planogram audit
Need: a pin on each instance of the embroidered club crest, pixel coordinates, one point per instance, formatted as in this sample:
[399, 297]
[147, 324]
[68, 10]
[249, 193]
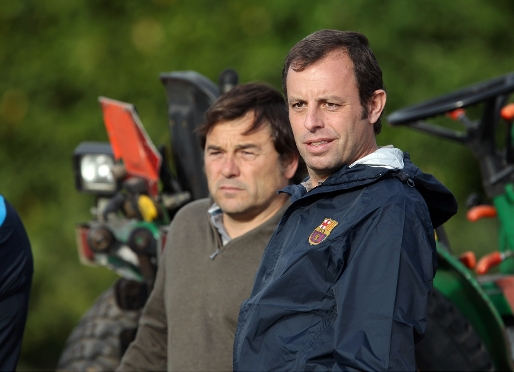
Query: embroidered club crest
[321, 232]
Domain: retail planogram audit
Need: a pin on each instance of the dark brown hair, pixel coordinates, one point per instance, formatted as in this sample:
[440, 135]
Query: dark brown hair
[319, 44]
[268, 106]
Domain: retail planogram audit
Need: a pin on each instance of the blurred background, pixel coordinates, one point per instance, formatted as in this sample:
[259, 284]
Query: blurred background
[58, 56]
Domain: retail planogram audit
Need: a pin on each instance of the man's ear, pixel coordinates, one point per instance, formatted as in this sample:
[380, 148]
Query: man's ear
[376, 105]
[289, 165]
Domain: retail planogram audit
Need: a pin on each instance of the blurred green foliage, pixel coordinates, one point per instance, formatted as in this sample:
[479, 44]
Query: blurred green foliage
[58, 56]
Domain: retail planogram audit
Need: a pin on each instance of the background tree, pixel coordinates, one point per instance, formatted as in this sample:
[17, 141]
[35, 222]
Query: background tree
[58, 56]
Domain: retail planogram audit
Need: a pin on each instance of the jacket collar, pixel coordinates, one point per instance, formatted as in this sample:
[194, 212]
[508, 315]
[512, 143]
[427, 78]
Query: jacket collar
[440, 201]
[345, 178]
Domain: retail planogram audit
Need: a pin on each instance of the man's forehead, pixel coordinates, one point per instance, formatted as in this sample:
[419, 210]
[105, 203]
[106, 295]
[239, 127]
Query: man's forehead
[239, 129]
[335, 67]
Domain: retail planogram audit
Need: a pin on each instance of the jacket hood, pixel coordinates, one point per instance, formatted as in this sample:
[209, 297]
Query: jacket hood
[386, 157]
[440, 201]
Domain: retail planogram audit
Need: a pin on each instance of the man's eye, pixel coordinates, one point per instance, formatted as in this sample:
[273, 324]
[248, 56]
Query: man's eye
[297, 105]
[248, 155]
[331, 105]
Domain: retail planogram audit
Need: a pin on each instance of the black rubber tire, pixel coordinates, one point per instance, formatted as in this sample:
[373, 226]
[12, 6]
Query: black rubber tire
[94, 344]
[450, 342]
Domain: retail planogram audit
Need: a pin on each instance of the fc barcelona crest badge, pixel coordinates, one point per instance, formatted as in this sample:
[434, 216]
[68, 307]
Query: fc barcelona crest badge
[321, 232]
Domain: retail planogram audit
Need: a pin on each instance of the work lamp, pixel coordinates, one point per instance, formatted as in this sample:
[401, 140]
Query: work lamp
[92, 167]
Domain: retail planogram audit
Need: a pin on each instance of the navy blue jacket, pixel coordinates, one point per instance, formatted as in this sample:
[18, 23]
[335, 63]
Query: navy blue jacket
[344, 281]
[16, 270]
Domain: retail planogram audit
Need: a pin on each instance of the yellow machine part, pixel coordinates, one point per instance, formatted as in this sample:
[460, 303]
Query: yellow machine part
[147, 208]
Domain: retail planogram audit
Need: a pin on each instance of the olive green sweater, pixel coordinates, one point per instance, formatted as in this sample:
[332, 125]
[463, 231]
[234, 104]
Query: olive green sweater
[189, 321]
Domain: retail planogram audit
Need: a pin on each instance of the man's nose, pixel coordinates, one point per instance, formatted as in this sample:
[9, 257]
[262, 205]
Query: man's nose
[230, 168]
[313, 119]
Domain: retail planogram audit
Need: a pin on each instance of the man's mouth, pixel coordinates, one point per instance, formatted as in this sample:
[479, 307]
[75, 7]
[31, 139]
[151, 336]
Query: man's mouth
[317, 143]
[228, 187]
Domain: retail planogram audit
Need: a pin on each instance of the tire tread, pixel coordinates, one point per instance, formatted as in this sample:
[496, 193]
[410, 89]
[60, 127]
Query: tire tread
[450, 343]
[94, 344]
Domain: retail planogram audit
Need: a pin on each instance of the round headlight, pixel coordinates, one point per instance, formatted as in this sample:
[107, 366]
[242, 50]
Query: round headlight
[95, 170]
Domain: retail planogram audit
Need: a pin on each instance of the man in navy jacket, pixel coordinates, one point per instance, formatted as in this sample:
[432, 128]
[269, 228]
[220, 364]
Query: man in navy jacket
[344, 281]
[16, 269]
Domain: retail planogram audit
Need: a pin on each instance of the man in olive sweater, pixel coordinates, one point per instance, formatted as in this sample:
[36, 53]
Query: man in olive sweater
[215, 245]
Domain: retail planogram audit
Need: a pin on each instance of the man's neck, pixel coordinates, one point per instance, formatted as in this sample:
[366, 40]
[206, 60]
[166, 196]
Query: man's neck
[238, 225]
[316, 179]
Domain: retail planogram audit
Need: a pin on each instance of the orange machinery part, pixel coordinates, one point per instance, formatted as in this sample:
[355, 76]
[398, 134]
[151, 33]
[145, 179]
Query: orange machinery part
[130, 142]
[507, 113]
[488, 261]
[481, 211]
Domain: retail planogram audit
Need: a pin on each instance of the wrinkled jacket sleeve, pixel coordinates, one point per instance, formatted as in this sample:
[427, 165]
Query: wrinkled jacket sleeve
[148, 352]
[382, 293]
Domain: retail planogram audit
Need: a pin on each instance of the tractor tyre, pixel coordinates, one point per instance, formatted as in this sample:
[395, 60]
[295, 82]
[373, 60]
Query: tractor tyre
[99, 340]
[450, 342]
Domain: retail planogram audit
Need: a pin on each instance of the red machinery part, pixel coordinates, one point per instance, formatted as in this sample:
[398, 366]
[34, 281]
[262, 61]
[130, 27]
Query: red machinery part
[507, 286]
[468, 259]
[86, 255]
[456, 114]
